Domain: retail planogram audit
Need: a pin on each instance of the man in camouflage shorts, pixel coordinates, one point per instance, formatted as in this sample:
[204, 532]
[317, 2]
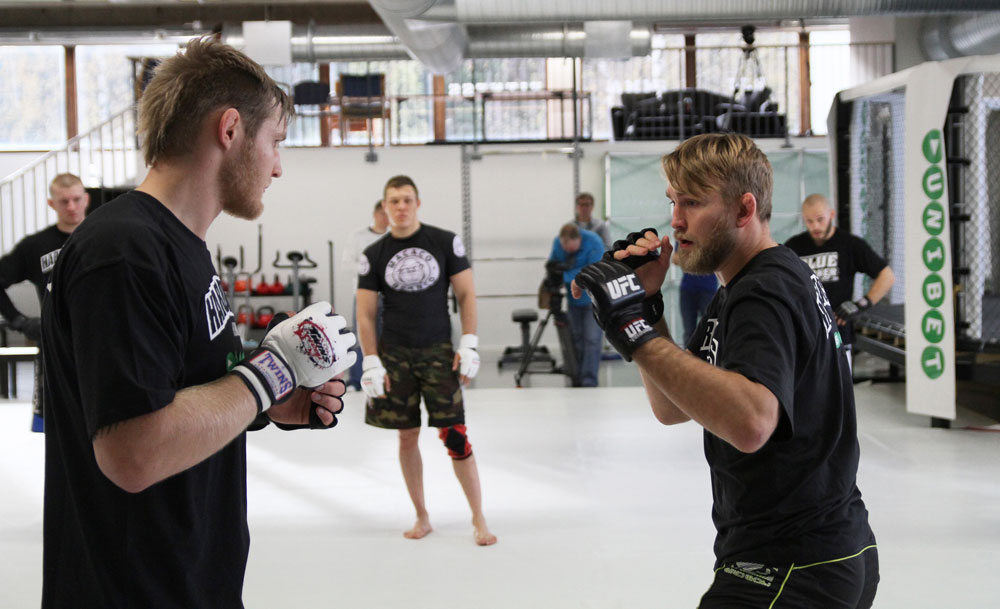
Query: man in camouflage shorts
[412, 267]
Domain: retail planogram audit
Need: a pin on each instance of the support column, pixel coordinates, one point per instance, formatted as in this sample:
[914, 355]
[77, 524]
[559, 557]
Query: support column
[325, 121]
[72, 123]
[690, 64]
[805, 83]
[440, 108]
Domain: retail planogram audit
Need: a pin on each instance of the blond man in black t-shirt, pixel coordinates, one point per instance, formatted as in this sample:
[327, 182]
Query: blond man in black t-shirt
[766, 376]
[32, 260]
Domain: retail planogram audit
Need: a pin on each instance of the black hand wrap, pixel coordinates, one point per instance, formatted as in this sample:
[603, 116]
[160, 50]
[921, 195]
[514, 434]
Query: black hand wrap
[847, 309]
[653, 306]
[617, 298]
[31, 327]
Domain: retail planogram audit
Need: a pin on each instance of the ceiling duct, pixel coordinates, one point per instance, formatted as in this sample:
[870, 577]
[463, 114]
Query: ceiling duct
[314, 43]
[960, 36]
[439, 45]
[544, 41]
[495, 12]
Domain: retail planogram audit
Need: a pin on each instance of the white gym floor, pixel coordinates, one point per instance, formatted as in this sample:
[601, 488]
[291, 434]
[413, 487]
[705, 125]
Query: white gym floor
[595, 504]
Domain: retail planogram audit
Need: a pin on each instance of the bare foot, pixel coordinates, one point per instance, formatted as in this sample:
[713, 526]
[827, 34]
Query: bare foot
[420, 529]
[482, 534]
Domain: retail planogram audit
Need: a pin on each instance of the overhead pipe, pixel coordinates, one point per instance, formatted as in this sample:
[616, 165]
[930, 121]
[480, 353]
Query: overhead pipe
[468, 12]
[440, 45]
[313, 43]
[961, 35]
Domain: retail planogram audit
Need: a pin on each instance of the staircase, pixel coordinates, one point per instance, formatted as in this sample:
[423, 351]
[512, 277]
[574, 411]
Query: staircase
[107, 156]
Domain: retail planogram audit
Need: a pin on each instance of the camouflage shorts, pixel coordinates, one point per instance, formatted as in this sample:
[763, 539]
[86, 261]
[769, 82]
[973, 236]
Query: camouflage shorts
[414, 373]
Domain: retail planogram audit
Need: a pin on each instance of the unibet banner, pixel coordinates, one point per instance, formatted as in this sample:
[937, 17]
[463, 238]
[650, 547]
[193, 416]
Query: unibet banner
[930, 313]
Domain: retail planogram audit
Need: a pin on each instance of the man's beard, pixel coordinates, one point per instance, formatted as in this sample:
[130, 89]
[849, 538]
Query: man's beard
[825, 236]
[707, 257]
[237, 185]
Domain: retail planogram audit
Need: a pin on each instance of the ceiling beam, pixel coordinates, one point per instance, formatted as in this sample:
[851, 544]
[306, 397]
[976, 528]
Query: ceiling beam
[166, 15]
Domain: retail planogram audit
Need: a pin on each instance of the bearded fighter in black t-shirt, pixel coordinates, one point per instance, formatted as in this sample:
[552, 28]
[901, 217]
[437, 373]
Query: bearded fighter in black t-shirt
[151, 394]
[32, 260]
[765, 374]
[835, 256]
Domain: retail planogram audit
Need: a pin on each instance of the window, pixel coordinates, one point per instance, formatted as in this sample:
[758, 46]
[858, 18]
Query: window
[105, 79]
[33, 97]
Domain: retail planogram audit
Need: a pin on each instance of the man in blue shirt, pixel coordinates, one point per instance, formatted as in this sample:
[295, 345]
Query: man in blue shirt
[578, 248]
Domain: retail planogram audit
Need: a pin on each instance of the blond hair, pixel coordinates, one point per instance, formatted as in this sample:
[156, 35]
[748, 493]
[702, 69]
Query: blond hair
[727, 163]
[63, 180]
[186, 88]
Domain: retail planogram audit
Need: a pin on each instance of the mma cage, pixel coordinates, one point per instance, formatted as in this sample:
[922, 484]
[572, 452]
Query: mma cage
[921, 184]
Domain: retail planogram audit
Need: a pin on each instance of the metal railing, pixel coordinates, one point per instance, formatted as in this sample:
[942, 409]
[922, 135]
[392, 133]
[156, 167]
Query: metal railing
[105, 156]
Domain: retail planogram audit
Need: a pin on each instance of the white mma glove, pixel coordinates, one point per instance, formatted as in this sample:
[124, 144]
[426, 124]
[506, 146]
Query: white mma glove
[305, 350]
[373, 376]
[468, 357]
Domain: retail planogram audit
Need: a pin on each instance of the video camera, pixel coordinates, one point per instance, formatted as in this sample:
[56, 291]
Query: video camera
[554, 270]
[748, 34]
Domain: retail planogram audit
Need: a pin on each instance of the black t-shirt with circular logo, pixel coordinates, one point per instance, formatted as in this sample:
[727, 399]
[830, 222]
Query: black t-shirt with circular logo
[413, 275]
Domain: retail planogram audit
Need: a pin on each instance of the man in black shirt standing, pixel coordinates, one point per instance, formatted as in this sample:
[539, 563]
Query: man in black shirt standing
[150, 392]
[32, 260]
[412, 268]
[835, 256]
[765, 374]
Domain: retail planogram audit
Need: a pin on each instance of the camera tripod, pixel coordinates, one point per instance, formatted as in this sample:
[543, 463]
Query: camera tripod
[749, 75]
[569, 366]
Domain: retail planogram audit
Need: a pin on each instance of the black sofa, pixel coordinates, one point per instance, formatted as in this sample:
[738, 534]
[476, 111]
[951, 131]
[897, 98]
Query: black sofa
[681, 113]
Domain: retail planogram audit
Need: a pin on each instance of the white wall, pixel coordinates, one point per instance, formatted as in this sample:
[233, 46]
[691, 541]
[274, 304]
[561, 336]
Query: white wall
[14, 161]
[519, 202]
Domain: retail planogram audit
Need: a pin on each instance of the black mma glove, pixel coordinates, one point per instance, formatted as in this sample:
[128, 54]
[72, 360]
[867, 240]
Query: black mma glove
[617, 298]
[847, 309]
[653, 305]
[31, 327]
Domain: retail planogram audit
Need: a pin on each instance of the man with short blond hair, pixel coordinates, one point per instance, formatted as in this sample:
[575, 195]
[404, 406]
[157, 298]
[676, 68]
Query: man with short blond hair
[766, 376]
[32, 260]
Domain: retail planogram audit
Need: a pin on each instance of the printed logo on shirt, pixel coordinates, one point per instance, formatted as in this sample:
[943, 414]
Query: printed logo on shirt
[217, 311]
[363, 265]
[412, 270]
[458, 246]
[710, 346]
[825, 311]
[49, 260]
[826, 265]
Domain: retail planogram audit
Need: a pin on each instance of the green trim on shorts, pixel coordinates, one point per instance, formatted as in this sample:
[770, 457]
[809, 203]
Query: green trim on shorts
[815, 564]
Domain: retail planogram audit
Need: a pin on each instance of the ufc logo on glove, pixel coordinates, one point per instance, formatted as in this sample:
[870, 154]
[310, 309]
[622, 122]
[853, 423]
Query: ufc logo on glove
[636, 328]
[623, 286]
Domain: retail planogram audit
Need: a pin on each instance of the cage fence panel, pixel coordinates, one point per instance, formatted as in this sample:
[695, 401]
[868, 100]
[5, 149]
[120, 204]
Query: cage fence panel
[974, 178]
